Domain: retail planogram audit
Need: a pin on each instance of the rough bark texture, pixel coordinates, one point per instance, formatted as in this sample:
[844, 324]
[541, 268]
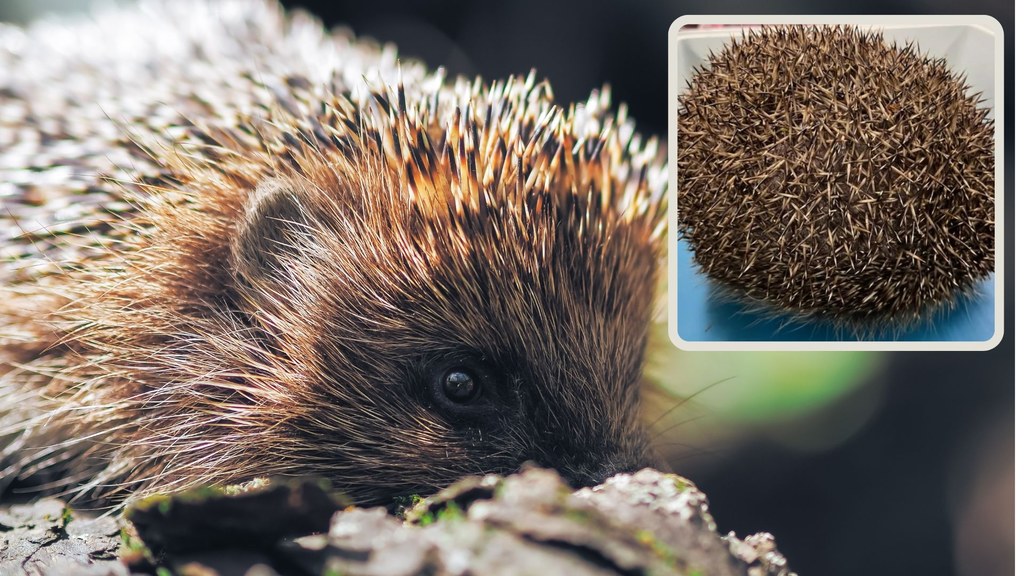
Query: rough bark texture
[647, 523]
[47, 538]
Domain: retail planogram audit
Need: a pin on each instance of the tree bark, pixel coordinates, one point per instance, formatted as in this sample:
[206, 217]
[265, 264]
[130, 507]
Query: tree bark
[647, 523]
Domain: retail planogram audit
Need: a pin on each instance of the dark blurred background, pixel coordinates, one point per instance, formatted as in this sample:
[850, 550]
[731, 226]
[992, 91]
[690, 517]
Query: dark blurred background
[896, 464]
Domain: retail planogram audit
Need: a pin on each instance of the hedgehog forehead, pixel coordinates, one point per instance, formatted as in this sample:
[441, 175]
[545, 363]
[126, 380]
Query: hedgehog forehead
[535, 292]
[560, 310]
[509, 213]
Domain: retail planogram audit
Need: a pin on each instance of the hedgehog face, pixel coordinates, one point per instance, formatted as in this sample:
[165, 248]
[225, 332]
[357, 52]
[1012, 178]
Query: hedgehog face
[431, 344]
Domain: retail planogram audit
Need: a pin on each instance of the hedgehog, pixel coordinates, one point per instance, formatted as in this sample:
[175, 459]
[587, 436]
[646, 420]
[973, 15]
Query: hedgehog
[256, 248]
[827, 175]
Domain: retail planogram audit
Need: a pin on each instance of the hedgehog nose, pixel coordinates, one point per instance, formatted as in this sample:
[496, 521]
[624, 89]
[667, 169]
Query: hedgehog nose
[583, 476]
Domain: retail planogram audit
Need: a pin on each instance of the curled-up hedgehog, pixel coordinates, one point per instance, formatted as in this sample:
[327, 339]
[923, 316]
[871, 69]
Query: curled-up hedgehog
[827, 174]
[236, 246]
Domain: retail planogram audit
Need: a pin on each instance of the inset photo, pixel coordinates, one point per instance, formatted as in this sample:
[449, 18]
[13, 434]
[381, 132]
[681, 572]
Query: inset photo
[838, 182]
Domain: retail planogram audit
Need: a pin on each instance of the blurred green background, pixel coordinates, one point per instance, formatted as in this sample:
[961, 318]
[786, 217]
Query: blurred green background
[858, 462]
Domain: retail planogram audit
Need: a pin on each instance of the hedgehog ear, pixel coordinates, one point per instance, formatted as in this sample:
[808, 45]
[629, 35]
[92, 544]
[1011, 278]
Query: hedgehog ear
[270, 230]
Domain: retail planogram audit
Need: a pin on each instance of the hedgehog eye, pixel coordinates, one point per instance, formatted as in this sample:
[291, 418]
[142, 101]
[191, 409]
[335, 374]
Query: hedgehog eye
[460, 385]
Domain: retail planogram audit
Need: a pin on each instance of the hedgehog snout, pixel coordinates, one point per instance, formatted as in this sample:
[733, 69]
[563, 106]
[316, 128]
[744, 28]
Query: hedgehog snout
[598, 472]
[586, 468]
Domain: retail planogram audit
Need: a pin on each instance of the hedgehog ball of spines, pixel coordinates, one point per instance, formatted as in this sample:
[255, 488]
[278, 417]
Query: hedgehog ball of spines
[827, 173]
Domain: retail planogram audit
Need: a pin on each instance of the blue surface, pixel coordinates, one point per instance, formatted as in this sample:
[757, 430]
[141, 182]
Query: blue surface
[707, 318]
